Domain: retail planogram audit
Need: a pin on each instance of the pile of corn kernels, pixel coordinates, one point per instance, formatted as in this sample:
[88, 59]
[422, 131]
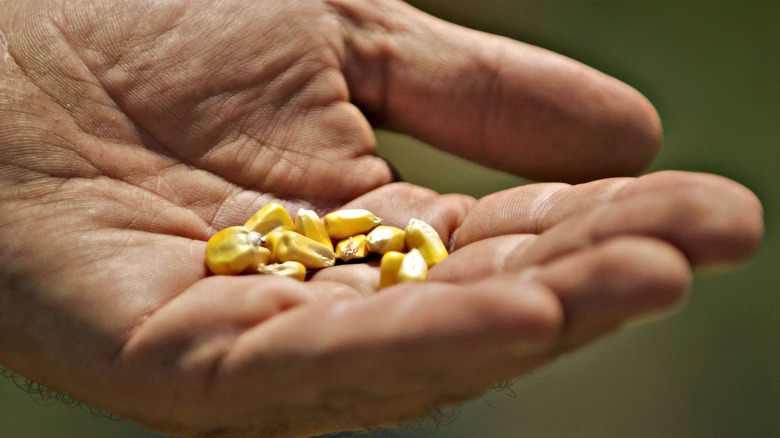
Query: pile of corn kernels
[271, 243]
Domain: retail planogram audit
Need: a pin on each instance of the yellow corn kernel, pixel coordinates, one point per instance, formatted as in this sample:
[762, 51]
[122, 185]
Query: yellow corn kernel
[294, 270]
[272, 238]
[353, 247]
[269, 218]
[293, 247]
[421, 236]
[384, 238]
[344, 223]
[263, 257]
[309, 224]
[389, 267]
[235, 250]
[413, 267]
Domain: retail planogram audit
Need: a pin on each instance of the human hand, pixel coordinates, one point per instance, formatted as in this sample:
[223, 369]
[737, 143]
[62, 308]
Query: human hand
[139, 129]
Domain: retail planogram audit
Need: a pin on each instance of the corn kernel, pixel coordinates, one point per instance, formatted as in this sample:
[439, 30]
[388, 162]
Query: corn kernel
[353, 247]
[269, 218]
[421, 236]
[294, 270]
[384, 238]
[291, 246]
[389, 267]
[413, 267]
[309, 224]
[235, 250]
[344, 223]
[263, 257]
[271, 239]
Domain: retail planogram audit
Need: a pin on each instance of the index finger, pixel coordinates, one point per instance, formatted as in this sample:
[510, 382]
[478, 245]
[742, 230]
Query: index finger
[535, 208]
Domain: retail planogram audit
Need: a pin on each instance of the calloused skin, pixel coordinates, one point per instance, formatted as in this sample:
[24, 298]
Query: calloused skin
[131, 131]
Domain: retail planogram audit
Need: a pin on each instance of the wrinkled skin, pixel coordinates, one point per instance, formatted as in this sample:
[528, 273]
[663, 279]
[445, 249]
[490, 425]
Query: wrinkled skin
[131, 131]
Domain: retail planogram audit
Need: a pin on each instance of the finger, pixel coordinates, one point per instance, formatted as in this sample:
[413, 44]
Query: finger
[388, 358]
[229, 304]
[171, 356]
[710, 228]
[495, 101]
[600, 288]
[619, 280]
[534, 208]
[413, 348]
[705, 204]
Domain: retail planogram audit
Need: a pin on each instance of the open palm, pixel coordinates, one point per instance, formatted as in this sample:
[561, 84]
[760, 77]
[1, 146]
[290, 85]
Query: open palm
[132, 131]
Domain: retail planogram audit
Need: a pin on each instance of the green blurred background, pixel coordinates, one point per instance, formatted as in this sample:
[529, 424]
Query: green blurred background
[712, 369]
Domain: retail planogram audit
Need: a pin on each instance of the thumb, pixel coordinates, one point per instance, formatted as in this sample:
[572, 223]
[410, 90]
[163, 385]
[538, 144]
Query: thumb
[495, 101]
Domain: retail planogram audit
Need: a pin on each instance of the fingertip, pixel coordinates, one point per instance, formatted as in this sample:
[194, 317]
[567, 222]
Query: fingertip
[750, 227]
[643, 131]
[610, 129]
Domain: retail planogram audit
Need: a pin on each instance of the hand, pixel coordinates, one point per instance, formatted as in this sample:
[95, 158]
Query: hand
[133, 131]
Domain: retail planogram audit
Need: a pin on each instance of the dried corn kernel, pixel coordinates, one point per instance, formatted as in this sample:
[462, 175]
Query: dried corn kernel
[263, 257]
[353, 247]
[291, 246]
[270, 235]
[309, 224]
[384, 238]
[421, 236]
[344, 223]
[413, 267]
[294, 270]
[272, 238]
[235, 250]
[389, 267]
[269, 218]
